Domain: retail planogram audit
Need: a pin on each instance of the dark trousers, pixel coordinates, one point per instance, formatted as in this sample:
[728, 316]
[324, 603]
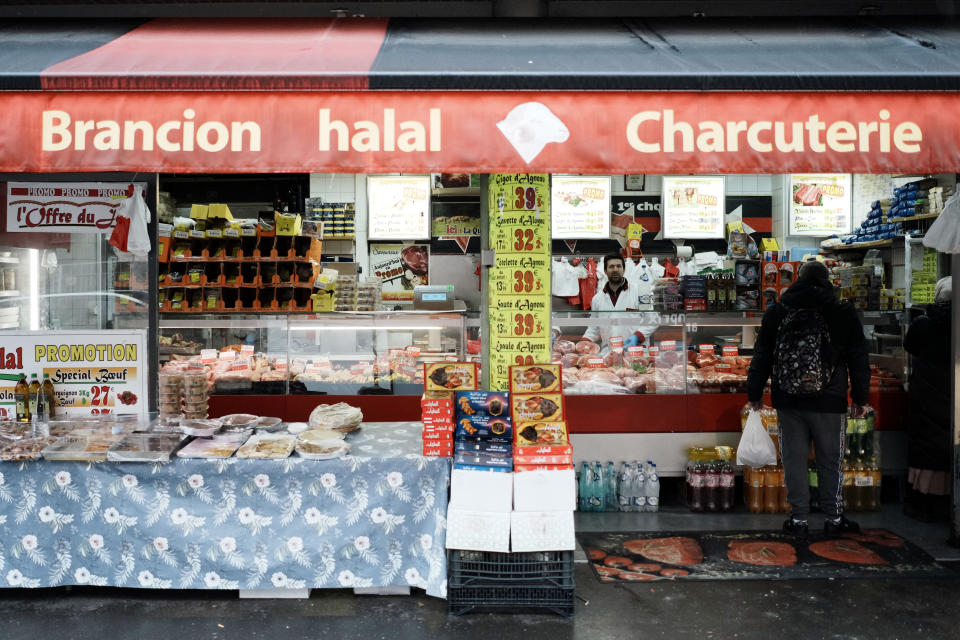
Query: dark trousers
[827, 431]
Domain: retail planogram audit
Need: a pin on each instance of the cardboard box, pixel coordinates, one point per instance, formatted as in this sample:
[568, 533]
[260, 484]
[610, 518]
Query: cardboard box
[541, 433]
[481, 491]
[543, 460]
[541, 531]
[545, 491]
[544, 450]
[540, 378]
[526, 468]
[478, 530]
[495, 404]
[475, 458]
[450, 376]
[545, 407]
[482, 468]
[438, 436]
[438, 404]
[489, 448]
[485, 428]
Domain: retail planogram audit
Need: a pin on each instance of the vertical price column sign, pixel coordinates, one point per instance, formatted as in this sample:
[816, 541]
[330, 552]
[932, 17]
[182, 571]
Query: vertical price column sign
[519, 281]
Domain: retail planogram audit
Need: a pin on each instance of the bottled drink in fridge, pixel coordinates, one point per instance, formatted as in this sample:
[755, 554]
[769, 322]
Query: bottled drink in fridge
[876, 474]
[610, 502]
[652, 486]
[753, 481]
[726, 486]
[623, 486]
[638, 499]
[712, 488]
[771, 489]
[697, 481]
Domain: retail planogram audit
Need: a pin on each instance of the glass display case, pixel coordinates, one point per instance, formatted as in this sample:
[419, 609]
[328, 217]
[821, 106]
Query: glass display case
[623, 352]
[335, 353]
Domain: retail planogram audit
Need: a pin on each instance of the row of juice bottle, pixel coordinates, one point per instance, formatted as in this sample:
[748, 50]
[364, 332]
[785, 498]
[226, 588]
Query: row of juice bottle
[34, 401]
[764, 490]
[710, 479]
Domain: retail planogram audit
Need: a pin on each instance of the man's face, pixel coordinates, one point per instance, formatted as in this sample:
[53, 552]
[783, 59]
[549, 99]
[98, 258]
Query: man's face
[614, 271]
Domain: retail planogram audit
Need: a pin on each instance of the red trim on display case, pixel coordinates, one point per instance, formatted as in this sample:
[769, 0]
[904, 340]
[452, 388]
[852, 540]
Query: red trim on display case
[703, 413]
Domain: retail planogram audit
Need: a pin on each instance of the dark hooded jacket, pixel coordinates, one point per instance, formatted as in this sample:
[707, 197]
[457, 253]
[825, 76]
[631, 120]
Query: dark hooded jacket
[848, 349]
[928, 341]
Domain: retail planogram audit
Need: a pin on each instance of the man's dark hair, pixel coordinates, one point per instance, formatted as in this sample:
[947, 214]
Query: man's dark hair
[613, 256]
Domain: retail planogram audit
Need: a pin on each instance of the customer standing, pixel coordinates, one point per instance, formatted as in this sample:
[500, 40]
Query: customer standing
[929, 452]
[809, 343]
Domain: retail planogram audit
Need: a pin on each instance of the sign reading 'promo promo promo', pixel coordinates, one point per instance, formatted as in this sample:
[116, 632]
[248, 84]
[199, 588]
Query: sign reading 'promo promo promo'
[418, 132]
[58, 207]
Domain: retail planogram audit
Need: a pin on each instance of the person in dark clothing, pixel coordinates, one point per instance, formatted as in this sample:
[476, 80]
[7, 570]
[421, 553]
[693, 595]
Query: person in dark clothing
[809, 388]
[929, 451]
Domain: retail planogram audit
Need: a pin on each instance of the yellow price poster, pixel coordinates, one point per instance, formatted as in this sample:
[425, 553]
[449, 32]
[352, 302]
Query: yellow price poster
[519, 324]
[506, 352]
[518, 192]
[519, 282]
[521, 239]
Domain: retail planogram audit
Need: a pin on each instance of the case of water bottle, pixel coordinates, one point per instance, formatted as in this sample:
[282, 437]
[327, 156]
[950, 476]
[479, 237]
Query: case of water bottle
[633, 487]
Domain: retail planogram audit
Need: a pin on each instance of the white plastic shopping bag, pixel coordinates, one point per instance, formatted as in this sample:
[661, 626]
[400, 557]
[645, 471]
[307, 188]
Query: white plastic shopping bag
[756, 447]
[138, 240]
[944, 233]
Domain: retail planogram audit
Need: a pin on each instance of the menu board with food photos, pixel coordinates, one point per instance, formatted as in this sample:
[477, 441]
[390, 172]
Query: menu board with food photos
[820, 204]
[519, 282]
[580, 207]
[693, 207]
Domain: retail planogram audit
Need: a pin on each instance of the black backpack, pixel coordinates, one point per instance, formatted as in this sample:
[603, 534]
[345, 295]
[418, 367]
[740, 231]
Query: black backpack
[803, 357]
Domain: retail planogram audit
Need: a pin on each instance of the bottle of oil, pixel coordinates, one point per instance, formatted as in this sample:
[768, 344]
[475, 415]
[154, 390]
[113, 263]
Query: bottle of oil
[50, 396]
[21, 394]
[34, 391]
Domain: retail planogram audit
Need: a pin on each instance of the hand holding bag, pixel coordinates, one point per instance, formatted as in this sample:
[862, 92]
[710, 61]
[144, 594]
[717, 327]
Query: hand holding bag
[756, 447]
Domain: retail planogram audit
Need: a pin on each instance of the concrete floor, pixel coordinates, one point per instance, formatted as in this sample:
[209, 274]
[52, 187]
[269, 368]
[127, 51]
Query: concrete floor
[868, 609]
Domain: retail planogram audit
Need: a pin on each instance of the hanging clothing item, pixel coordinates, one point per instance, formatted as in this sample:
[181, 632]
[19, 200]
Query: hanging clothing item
[564, 279]
[656, 269]
[588, 284]
[579, 272]
[644, 288]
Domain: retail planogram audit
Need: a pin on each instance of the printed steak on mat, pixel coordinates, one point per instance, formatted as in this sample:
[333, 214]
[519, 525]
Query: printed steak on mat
[678, 551]
[849, 551]
[762, 552]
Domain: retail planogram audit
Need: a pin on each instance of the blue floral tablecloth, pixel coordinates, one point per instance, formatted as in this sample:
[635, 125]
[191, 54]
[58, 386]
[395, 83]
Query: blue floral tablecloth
[374, 518]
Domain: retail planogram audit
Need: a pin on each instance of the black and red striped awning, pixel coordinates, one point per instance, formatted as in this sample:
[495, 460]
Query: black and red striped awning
[280, 54]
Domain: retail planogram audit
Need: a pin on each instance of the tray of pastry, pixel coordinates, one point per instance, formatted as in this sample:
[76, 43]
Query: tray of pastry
[267, 445]
[144, 447]
[219, 446]
[88, 446]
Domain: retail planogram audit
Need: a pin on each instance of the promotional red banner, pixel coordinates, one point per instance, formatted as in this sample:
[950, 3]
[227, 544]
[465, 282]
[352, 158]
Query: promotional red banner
[556, 132]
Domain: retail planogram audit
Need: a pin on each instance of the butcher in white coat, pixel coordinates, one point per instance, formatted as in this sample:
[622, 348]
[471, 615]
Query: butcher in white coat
[617, 295]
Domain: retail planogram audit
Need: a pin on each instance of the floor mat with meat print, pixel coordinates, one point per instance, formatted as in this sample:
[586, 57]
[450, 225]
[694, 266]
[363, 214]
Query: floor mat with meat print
[752, 555]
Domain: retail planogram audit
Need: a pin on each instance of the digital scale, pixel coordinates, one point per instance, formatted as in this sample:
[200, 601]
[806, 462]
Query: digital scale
[434, 297]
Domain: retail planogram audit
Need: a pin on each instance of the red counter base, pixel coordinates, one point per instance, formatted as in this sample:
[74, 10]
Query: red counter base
[585, 414]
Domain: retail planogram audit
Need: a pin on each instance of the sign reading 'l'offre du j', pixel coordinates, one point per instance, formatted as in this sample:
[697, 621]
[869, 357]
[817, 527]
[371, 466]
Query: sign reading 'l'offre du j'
[64, 207]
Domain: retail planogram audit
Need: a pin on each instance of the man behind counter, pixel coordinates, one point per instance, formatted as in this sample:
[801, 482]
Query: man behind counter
[617, 295]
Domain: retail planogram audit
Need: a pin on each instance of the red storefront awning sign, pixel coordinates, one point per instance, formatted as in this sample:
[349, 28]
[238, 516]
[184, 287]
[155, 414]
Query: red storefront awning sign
[577, 132]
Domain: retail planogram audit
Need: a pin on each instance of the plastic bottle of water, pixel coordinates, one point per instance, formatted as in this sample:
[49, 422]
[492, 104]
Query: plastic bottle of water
[652, 487]
[596, 486]
[638, 497]
[583, 487]
[623, 486]
[610, 501]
